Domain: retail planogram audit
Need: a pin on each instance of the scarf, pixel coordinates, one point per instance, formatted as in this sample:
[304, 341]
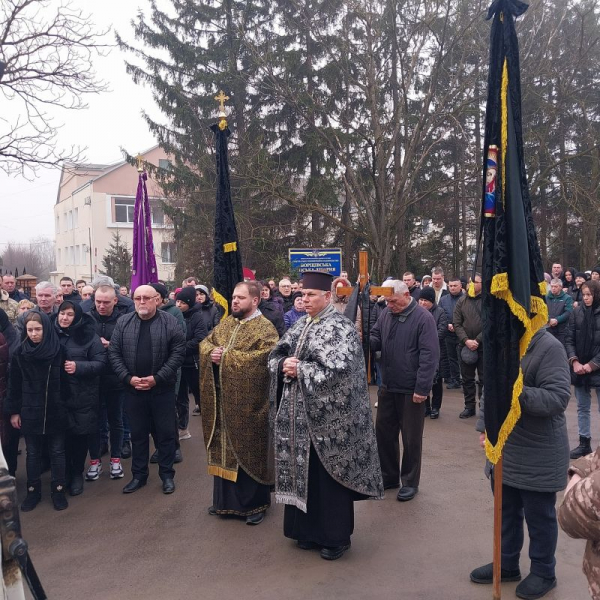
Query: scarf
[48, 348]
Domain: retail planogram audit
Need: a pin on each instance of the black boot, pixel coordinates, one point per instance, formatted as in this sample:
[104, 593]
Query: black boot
[59, 500]
[583, 449]
[34, 495]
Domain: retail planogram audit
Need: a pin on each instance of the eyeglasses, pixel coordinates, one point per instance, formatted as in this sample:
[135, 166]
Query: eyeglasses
[143, 298]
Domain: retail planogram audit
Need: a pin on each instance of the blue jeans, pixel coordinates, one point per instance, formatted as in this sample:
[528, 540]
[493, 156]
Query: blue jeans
[584, 409]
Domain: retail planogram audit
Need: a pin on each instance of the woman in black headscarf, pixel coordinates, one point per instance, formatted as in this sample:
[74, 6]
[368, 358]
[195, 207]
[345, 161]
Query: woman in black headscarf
[85, 360]
[36, 402]
[582, 342]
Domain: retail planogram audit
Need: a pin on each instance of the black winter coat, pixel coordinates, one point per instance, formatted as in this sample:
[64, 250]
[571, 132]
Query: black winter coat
[104, 329]
[410, 351]
[195, 332]
[83, 346]
[38, 391]
[574, 335]
[168, 348]
[211, 314]
[467, 319]
[272, 312]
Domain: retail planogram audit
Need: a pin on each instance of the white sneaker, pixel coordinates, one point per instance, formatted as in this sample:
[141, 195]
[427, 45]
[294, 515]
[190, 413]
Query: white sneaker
[116, 470]
[184, 434]
[377, 404]
[94, 470]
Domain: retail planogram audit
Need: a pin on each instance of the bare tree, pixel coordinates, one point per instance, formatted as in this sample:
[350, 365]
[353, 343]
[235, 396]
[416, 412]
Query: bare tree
[37, 256]
[48, 49]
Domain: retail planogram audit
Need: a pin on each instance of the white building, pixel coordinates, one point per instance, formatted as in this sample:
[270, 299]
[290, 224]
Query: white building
[93, 202]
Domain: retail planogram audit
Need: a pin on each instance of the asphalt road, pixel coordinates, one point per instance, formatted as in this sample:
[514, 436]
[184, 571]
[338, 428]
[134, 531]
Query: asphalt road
[150, 546]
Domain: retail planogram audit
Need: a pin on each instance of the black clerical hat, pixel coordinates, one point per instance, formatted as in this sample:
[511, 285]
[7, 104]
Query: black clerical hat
[317, 280]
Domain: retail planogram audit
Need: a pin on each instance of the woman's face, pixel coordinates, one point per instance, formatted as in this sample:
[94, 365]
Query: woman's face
[579, 281]
[23, 309]
[35, 332]
[65, 317]
[181, 305]
[587, 296]
[299, 304]
[200, 297]
[266, 292]
[568, 276]
[595, 275]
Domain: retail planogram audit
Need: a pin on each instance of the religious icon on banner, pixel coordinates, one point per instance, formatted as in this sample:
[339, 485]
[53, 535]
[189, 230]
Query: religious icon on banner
[489, 204]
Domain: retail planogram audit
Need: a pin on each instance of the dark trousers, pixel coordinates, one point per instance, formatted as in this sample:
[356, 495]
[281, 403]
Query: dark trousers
[437, 392]
[33, 463]
[76, 449]
[539, 511]
[152, 410]
[452, 349]
[190, 380]
[468, 380]
[397, 413]
[111, 423]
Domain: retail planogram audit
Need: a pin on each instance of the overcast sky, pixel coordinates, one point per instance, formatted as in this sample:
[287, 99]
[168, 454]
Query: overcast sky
[113, 120]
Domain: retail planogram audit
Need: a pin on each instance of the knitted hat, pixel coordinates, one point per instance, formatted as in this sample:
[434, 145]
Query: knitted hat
[187, 295]
[203, 289]
[161, 289]
[427, 293]
[581, 274]
[296, 295]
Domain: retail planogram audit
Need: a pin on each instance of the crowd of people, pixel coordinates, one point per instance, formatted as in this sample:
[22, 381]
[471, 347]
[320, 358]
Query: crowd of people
[281, 386]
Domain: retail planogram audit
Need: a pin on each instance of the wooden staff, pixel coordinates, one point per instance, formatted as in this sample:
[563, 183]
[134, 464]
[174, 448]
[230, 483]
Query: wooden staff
[497, 593]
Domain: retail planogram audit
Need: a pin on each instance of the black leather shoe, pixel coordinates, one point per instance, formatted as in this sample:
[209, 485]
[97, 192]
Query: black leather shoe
[407, 493]
[178, 456]
[334, 553]
[485, 574]
[212, 511]
[126, 450]
[154, 457]
[427, 411]
[435, 413]
[465, 414]
[256, 519]
[307, 545]
[76, 485]
[534, 586]
[168, 486]
[133, 486]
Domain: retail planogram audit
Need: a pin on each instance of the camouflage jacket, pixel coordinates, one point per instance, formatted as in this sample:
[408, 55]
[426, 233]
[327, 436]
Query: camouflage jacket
[579, 515]
[9, 306]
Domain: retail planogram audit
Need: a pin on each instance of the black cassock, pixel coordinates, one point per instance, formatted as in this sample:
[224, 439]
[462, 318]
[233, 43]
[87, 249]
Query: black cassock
[243, 497]
[329, 520]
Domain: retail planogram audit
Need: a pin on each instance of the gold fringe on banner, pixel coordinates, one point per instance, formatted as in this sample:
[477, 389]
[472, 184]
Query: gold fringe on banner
[500, 289]
[222, 302]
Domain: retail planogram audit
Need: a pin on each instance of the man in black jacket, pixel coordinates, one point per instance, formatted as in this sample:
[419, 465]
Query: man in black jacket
[69, 291]
[146, 350]
[407, 336]
[9, 284]
[105, 313]
[448, 303]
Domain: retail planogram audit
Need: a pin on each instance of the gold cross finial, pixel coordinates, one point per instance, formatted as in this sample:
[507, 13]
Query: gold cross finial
[221, 98]
[139, 160]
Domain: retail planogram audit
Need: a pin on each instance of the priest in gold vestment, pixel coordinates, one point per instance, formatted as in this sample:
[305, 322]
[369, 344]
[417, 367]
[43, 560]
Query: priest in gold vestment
[234, 386]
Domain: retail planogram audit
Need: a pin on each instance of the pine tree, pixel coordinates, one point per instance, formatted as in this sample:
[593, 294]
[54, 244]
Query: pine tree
[117, 261]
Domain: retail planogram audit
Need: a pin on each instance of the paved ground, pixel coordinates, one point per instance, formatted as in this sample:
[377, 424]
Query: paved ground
[149, 546]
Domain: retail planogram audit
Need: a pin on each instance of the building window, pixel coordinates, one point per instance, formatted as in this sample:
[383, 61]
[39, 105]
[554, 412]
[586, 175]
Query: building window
[57, 223]
[76, 218]
[163, 163]
[58, 256]
[124, 210]
[77, 261]
[70, 220]
[168, 252]
[158, 215]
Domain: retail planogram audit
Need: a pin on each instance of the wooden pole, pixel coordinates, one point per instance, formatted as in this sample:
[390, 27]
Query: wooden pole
[497, 594]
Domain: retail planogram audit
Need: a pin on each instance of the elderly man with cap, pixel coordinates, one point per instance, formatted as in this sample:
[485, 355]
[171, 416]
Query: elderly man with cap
[146, 350]
[196, 331]
[325, 447]
[235, 408]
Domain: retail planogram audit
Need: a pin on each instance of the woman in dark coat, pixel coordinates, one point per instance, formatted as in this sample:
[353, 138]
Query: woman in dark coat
[582, 342]
[271, 308]
[210, 312]
[85, 360]
[37, 394]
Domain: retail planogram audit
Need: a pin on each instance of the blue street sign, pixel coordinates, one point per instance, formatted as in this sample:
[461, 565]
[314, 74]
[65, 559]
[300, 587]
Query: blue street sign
[328, 260]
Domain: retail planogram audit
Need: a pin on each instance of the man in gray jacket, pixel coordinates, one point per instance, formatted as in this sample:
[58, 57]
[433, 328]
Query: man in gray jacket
[146, 350]
[535, 463]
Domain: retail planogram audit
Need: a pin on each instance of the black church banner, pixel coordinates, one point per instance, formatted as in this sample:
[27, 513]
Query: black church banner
[513, 279]
[227, 257]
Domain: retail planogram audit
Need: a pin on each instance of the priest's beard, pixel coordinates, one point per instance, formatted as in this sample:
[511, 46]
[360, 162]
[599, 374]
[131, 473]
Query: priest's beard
[240, 314]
